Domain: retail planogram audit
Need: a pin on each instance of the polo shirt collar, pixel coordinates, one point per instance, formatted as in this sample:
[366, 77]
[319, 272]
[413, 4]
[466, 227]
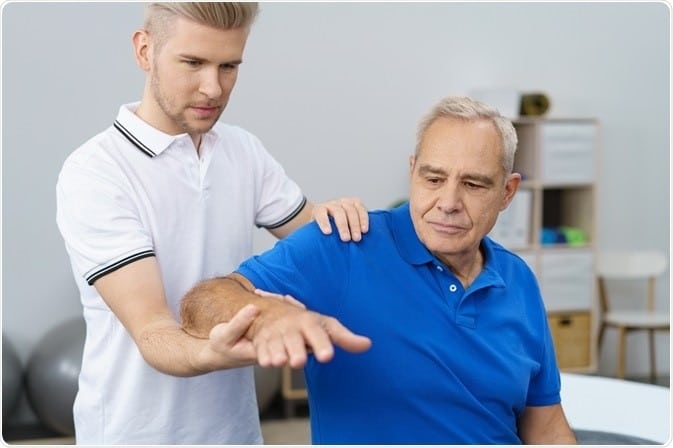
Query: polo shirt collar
[411, 248]
[142, 135]
[413, 251]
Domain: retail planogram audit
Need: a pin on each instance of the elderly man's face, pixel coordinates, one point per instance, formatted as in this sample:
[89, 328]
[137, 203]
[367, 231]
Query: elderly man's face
[458, 186]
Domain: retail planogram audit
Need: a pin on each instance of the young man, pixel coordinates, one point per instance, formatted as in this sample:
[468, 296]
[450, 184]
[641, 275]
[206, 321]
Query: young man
[164, 198]
[461, 352]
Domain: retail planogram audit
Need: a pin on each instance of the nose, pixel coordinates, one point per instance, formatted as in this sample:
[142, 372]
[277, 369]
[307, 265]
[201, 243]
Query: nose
[211, 85]
[450, 199]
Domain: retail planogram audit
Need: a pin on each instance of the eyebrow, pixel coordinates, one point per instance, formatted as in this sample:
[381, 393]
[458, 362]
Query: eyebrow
[480, 178]
[198, 58]
[427, 169]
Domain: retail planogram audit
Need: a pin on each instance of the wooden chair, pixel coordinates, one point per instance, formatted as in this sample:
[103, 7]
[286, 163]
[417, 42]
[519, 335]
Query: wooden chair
[641, 268]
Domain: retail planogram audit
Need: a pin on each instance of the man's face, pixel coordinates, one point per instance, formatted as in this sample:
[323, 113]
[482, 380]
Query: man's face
[191, 76]
[458, 186]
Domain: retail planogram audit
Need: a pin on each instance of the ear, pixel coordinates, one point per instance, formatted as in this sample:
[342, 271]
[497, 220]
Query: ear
[511, 186]
[412, 163]
[141, 49]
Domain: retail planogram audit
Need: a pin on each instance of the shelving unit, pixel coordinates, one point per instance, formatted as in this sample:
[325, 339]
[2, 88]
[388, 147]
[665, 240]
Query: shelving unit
[557, 159]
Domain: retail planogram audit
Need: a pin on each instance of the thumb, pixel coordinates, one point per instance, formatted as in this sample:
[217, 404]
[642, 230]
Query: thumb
[228, 333]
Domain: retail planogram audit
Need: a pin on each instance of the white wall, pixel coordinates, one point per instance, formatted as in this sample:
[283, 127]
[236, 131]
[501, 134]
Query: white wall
[335, 91]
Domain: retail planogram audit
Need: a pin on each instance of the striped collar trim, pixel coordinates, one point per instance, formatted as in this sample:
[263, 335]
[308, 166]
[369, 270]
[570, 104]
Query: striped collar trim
[146, 138]
[133, 139]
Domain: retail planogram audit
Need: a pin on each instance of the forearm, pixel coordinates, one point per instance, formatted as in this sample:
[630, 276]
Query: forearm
[169, 349]
[217, 300]
[545, 425]
[279, 333]
[166, 347]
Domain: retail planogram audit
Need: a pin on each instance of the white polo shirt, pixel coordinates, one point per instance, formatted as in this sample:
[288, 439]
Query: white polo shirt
[132, 192]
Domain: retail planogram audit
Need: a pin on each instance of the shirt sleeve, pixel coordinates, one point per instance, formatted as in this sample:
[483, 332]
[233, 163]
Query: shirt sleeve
[98, 219]
[279, 199]
[545, 386]
[309, 266]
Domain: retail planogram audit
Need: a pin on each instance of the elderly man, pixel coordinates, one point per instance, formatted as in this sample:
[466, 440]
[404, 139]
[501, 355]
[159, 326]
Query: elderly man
[460, 348]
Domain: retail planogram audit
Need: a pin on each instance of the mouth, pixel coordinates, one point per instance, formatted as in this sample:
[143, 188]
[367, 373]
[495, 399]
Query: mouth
[205, 111]
[450, 229]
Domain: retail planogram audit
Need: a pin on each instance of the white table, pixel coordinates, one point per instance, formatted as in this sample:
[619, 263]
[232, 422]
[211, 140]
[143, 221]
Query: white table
[617, 406]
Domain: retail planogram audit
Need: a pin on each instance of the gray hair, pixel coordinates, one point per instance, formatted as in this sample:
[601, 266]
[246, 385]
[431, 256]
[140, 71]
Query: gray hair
[221, 15]
[469, 109]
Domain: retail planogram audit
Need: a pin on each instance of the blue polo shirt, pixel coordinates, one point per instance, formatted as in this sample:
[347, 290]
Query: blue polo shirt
[446, 366]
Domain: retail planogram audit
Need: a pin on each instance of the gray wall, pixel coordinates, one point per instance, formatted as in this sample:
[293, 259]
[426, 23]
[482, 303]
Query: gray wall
[335, 91]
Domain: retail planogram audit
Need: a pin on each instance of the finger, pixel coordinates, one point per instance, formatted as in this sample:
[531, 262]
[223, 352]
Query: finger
[353, 217]
[262, 293]
[283, 298]
[363, 216]
[228, 333]
[341, 221]
[318, 340]
[345, 338]
[296, 350]
[263, 355]
[277, 352]
[292, 301]
[321, 216]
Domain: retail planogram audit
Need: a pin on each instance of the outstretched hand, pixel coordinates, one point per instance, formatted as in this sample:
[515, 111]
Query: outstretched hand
[349, 214]
[274, 331]
[284, 335]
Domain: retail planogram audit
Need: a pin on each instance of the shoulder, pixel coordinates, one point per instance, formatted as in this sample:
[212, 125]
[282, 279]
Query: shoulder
[507, 261]
[95, 153]
[379, 232]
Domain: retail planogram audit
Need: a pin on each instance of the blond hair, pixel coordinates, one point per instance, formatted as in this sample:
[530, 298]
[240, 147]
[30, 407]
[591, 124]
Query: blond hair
[221, 15]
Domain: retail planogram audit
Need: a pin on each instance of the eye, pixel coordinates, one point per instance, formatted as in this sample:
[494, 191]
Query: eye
[192, 62]
[473, 186]
[434, 180]
[228, 67]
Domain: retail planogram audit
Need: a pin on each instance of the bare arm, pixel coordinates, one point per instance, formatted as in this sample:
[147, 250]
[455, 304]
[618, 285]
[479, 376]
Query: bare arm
[135, 294]
[349, 214]
[282, 332]
[545, 425]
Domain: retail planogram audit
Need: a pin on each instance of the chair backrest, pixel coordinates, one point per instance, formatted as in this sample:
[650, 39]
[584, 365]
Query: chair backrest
[631, 265]
[634, 265]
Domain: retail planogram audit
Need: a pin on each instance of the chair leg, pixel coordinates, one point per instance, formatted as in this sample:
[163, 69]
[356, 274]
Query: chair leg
[621, 353]
[653, 362]
[601, 332]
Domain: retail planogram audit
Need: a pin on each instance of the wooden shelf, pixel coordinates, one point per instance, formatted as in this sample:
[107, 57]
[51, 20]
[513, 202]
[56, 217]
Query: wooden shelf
[557, 160]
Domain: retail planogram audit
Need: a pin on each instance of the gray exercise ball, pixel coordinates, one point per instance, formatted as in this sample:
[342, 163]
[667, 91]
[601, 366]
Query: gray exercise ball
[12, 377]
[267, 385]
[52, 374]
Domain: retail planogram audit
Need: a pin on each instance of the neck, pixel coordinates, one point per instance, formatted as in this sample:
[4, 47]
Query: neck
[196, 138]
[466, 267]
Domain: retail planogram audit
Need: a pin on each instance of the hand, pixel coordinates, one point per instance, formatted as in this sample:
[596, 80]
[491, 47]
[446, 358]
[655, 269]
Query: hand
[286, 298]
[350, 217]
[283, 334]
[227, 345]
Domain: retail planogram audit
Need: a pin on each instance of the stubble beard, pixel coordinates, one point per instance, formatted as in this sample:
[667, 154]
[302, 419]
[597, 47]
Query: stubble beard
[177, 114]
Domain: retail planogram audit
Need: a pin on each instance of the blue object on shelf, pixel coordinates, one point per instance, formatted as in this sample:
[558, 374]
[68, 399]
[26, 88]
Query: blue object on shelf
[552, 235]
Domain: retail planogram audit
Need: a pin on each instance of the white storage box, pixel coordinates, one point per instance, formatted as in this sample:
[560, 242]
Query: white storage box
[512, 229]
[567, 151]
[567, 279]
